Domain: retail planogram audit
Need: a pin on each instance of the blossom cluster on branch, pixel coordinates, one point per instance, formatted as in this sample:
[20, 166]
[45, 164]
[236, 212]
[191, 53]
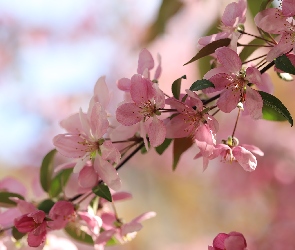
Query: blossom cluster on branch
[99, 143]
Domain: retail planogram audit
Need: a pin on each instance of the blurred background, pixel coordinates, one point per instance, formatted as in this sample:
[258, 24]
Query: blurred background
[51, 55]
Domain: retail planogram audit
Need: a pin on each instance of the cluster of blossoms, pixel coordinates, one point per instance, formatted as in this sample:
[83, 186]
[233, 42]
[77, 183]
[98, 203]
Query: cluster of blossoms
[99, 142]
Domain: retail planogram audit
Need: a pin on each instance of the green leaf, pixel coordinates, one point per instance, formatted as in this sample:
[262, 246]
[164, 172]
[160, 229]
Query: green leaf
[283, 63]
[264, 4]
[16, 234]
[271, 114]
[59, 181]
[46, 170]
[278, 108]
[248, 50]
[160, 149]
[201, 84]
[209, 49]
[176, 85]
[167, 10]
[46, 205]
[102, 190]
[76, 233]
[180, 145]
[6, 202]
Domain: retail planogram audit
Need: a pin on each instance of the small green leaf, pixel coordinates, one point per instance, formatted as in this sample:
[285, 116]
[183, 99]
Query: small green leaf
[176, 85]
[209, 49]
[160, 149]
[283, 63]
[59, 181]
[276, 106]
[201, 84]
[46, 205]
[248, 50]
[16, 234]
[46, 170]
[76, 233]
[180, 145]
[6, 202]
[102, 190]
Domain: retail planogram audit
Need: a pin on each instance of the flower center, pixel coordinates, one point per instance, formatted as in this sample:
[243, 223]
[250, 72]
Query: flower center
[148, 109]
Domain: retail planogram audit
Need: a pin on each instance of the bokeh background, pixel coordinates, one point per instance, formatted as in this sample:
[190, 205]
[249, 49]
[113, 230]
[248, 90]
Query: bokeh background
[52, 53]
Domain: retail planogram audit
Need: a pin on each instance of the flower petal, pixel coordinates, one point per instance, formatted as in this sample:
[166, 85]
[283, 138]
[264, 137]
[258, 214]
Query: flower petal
[228, 100]
[229, 59]
[128, 114]
[107, 173]
[245, 158]
[253, 103]
[87, 177]
[145, 61]
[156, 132]
[101, 92]
[124, 84]
[141, 89]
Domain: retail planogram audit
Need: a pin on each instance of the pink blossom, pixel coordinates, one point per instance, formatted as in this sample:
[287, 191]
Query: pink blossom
[273, 21]
[233, 83]
[34, 224]
[85, 141]
[92, 221]
[231, 241]
[233, 16]
[191, 120]
[147, 99]
[123, 231]
[61, 213]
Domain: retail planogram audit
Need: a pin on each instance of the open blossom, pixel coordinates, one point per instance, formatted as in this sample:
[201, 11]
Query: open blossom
[234, 15]
[191, 120]
[274, 21]
[231, 241]
[144, 107]
[87, 143]
[35, 224]
[229, 153]
[122, 231]
[233, 81]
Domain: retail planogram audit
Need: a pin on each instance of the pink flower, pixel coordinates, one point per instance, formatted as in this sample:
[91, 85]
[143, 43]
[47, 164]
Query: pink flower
[273, 21]
[35, 224]
[191, 120]
[233, 81]
[229, 151]
[233, 16]
[123, 232]
[147, 99]
[61, 213]
[231, 241]
[85, 141]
